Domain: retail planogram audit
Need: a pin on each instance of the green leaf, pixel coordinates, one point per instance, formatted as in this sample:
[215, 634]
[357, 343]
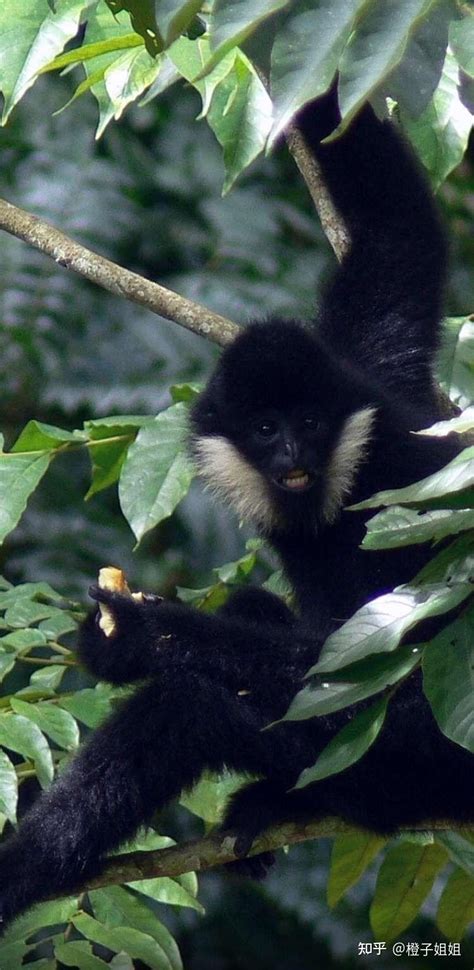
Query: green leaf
[397, 526]
[8, 788]
[90, 706]
[25, 612]
[140, 946]
[129, 76]
[19, 476]
[448, 679]
[235, 101]
[102, 25]
[143, 17]
[191, 58]
[87, 51]
[209, 797]
[302, 70]
[456, 906]
[404, 881]
[48, 678]
[459, 849]
[7, 663]
[463, 422]
[171, 21]
[30, 35]
[157, 472]
[461, 39]
[353, 684]
[55, 626]
[116, 906]
[454, 564]
[23, 640]
[376, 46]
[232, 21]
[29, 591]
[78, 954]
[40, 916]
[185, 392]
[37, 436]
[455, 477]
[240, 117]
[351, 855]
[19, 734]
[413, 83]
[379, 625]
[348, 745]
[110, 439]
[455, 365]
[164, 889]
[441, 133]
[56, 723]
[13, 953]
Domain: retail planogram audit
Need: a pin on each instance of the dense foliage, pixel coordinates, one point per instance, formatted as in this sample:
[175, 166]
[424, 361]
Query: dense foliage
[253, 65]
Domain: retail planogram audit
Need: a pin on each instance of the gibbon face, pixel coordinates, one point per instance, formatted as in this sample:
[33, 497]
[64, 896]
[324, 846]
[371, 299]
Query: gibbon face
[280, 430]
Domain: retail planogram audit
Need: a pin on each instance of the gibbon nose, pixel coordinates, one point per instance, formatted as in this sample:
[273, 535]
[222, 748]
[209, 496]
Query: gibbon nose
[291, 451]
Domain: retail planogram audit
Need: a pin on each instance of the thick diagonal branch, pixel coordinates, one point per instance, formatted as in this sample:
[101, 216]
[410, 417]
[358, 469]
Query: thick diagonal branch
[218, 849]
[115, 278]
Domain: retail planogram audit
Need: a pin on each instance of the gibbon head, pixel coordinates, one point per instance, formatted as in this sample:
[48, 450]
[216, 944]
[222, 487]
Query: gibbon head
[281, 428]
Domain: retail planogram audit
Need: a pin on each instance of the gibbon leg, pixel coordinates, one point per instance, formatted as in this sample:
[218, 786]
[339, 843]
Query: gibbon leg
[158, 743]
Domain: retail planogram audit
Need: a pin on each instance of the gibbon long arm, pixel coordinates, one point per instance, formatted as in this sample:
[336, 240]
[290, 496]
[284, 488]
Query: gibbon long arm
[383, 308]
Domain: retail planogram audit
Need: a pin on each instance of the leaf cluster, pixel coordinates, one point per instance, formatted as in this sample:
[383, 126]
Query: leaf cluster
[255, 64]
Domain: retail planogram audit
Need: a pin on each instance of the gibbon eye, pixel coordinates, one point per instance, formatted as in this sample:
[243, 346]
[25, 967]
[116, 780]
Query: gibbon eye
[311, 422]
[266, 429]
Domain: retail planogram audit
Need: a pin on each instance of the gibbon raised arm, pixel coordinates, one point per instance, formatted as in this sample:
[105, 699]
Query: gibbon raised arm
[295, 423]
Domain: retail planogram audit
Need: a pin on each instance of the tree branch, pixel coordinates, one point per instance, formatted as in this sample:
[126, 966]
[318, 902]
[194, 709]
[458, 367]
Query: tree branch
[218, 849]
[115, 278]
[332, 222]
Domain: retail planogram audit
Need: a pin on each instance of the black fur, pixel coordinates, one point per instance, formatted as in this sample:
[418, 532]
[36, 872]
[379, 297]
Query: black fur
[281, 399]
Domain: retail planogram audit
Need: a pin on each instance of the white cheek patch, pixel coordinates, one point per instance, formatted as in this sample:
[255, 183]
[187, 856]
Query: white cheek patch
[227, 473]
[347, 456]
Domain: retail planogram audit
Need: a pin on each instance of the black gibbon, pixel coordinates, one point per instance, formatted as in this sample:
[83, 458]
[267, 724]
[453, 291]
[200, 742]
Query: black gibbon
[296, 423]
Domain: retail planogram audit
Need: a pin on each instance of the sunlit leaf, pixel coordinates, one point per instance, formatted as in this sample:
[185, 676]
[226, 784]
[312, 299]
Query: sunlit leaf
[455, 365]
[453, 478]
[461, 38]
[398, 526]
[448, 679]
[379, 625]
[30, 36]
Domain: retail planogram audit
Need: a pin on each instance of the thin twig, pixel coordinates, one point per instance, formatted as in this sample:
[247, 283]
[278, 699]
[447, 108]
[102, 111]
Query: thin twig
[332, 222]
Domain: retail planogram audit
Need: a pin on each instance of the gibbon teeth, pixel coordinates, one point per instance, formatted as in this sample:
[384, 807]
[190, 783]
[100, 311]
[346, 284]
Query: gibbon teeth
[296, 479]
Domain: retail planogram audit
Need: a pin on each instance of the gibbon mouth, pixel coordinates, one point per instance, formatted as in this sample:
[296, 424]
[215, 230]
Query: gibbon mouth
[298, 480]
